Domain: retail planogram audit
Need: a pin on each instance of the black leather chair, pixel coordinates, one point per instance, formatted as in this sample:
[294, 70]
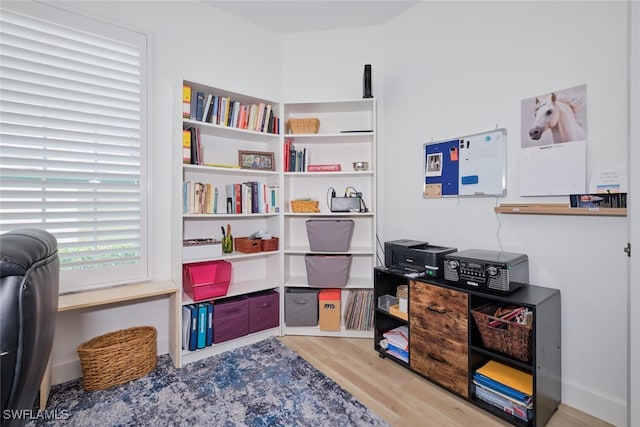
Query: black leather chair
[30, 272]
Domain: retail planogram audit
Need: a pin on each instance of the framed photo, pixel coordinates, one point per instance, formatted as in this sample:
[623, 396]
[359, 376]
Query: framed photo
[259, 160]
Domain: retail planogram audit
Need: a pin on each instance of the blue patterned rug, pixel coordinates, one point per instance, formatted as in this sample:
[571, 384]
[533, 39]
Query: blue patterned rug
[263, 384]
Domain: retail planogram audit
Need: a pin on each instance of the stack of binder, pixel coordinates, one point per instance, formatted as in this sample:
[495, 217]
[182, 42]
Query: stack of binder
[398, 342]
[506, 388]
[197, 326]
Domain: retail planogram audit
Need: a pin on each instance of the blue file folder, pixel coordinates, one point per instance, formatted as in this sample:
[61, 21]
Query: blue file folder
[202, 325]
[193, 335]
[209, 323]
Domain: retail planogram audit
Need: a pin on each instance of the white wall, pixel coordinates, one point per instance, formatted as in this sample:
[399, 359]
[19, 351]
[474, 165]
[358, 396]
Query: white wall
[451, 69]
[193, 41]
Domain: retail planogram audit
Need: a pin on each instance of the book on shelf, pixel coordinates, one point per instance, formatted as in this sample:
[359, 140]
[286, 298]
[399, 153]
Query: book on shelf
[199, 105]
[206, 114]
[186, 101]
[260, 118]
[198, 198]
[215, 115]
[265, 121]
[186, 146]
[324, 168]
[224, 110]
[598, 200]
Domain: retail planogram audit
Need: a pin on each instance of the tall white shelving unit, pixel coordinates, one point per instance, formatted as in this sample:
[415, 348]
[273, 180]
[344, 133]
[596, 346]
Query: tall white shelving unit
[347, 134]
[251, 272]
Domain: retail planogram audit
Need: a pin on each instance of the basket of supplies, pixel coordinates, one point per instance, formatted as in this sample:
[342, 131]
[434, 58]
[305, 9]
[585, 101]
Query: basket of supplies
[304, 206]
[118, 357]
[307, 125]
[507, 336]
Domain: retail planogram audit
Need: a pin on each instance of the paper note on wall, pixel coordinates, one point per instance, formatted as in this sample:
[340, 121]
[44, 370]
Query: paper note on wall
[553, 170]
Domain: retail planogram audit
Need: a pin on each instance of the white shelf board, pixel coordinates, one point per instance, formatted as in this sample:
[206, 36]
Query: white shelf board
[352, 283]
[192, 356]
[315, 331]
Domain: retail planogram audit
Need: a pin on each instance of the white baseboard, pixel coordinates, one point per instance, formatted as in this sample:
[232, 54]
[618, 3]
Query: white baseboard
[593, 402]
[69, 370]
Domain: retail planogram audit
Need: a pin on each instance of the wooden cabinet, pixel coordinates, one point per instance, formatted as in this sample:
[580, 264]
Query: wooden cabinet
[447, 347]
[438, 320]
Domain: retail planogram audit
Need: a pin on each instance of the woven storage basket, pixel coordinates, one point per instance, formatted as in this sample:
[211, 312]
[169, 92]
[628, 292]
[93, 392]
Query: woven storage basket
[513, 339]
[300, 206]
[248, 246]
[118, 357]
[269, 244]
[310, 125]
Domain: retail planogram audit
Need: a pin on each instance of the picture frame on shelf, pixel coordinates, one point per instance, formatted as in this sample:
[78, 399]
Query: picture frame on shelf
[258, 160]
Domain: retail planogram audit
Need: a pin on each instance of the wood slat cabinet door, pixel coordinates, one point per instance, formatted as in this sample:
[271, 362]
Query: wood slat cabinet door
[439, 335]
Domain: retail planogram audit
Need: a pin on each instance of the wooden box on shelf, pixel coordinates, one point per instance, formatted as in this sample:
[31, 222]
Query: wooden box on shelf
[247, 246]
[268, 245]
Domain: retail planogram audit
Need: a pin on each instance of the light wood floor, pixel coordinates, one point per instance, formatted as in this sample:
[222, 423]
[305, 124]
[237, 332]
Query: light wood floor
[399, 396]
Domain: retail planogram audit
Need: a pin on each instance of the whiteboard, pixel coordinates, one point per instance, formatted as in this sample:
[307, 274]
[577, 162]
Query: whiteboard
[470, 165]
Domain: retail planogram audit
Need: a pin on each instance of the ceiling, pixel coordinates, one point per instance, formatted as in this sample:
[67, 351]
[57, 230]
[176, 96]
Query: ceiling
[294, 16]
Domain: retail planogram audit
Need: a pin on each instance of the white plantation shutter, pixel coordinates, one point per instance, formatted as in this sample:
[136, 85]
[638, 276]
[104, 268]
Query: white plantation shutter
[72, 148]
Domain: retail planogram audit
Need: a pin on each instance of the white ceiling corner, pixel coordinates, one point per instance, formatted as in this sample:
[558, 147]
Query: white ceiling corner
[294, 16]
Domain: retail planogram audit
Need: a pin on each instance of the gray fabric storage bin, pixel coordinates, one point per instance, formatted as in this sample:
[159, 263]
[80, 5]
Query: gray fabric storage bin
[301, 307]
[329, 235]
[327, 270]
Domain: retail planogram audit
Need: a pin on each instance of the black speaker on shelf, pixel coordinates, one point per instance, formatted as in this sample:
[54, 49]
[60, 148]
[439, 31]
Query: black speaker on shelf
[366, 82]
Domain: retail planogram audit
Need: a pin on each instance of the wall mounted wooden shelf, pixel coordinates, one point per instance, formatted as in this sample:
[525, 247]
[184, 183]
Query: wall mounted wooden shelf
[556, 209]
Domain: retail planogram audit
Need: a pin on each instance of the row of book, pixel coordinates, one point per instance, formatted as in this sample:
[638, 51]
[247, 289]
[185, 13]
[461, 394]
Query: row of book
[598, 200]
[197, 326]
[242, 197]
[299, 160]
[294, 160]
[224, 111]
[358, 314]
[506, 388]
[192, 150]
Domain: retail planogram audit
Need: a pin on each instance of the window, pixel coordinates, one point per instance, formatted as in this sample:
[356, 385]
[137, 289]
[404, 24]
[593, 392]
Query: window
[73, 120]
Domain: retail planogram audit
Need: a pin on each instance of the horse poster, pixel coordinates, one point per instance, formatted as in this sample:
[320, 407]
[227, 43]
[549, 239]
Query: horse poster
[553, 156]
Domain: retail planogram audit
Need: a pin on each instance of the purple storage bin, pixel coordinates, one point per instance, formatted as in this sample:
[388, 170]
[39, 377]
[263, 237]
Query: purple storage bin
[327, 270]
[329, 235]
[264, 311]
[230, 319]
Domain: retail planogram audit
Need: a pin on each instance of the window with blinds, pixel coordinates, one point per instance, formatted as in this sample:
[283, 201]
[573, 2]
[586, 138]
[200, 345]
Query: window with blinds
[72, 140]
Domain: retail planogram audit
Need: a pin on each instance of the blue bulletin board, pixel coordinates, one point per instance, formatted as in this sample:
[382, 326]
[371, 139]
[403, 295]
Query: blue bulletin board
[471, 165]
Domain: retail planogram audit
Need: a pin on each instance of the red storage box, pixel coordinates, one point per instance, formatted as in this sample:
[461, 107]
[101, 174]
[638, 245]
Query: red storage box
[206, 280]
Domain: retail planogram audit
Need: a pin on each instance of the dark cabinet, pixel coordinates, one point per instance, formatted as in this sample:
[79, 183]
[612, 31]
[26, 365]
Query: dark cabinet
[447, 347]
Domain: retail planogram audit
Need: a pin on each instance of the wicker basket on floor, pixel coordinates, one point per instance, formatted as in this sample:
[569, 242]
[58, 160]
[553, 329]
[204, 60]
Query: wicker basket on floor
[298, 126]
[118, 357]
